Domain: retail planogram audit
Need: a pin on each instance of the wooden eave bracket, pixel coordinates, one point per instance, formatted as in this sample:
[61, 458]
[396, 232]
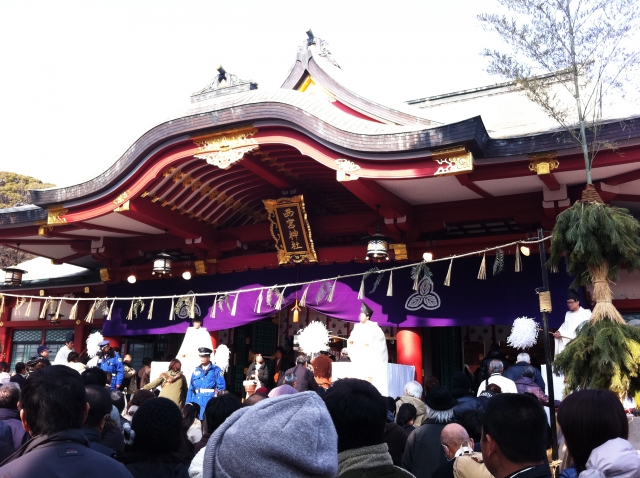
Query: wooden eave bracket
[542, 164]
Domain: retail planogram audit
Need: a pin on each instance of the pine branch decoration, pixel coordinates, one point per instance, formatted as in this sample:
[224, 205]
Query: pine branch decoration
[590, 233]
[603, 355]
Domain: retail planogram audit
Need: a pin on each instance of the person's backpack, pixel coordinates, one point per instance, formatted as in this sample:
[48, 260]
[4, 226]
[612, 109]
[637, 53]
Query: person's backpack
[490, 389]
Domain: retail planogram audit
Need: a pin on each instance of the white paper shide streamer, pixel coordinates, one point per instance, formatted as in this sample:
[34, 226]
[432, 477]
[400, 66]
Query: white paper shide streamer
[92, 344]
[313, 338]
[524, 333]
[221, 357]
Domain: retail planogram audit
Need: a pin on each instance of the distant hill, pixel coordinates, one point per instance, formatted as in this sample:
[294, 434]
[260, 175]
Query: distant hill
[13, 193]
[14, 189]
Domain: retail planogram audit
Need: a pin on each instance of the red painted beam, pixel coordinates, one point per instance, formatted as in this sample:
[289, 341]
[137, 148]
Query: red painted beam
[117, 230]
[466, 182]
[623, 178]
[372, 194]
[627, 198]
[573, 162]
[265, 173]
[155, 215]
[550, 181]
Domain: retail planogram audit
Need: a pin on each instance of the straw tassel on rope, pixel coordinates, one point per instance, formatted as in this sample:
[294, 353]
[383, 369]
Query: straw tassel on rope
[192, 308]
[19, 303]
[89, 317]
[258, 306]
[57, 314]
[150, 313]
[447, 280]
[43, 311]
[390, 288]
[482, 273]
[130, 314]
[303, 299]
[74, 311]
[518, 259]
[28, 311]
[361, 291]
[110, 310]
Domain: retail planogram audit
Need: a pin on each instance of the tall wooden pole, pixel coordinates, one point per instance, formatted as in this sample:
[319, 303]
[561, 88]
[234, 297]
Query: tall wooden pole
[547, 351]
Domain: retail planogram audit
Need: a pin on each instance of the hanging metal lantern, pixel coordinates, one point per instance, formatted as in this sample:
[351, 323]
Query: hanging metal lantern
[162, 264]
[378, 247]
[13, 276]
[377, 244]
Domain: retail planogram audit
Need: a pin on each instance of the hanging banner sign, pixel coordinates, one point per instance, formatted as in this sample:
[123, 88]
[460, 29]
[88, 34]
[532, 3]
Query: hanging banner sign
[290, 229]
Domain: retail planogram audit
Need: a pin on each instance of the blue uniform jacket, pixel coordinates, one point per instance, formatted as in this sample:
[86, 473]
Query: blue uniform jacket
[209, 378]
[115, 367]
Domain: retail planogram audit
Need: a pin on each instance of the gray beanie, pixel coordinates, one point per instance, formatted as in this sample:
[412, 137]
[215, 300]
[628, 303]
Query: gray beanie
[286, 436]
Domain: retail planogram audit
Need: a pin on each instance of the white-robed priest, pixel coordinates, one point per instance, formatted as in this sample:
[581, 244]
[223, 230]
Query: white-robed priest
[573, 319]
[195, 338]
[367, 348]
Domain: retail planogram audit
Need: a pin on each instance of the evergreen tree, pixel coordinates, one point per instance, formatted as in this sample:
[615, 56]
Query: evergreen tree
[14, 192]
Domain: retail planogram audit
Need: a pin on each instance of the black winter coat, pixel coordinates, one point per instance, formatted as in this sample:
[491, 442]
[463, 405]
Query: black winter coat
[423, 453]
[64, 454]
[515, 373]
[146, 465]
[305, 381]
[396, 439]
[468, 403]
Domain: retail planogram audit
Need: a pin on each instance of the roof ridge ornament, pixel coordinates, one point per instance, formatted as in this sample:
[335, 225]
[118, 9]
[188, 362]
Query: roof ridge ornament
[224, 83]
[322, 47]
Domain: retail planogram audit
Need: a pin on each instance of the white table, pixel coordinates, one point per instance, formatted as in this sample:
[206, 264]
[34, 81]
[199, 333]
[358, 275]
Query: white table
[389, 382]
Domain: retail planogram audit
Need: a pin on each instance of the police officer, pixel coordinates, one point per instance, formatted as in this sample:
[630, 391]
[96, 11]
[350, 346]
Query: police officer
[112, 364]
[206, 381]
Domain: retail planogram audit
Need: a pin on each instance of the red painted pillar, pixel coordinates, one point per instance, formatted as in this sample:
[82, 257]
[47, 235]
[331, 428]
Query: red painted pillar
[115, 342]
[409, 347]
[214, 339]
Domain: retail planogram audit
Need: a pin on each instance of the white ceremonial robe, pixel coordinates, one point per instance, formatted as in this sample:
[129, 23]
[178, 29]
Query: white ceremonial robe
[188, 353]
[369, 352]
[62, 355]
[572, 320]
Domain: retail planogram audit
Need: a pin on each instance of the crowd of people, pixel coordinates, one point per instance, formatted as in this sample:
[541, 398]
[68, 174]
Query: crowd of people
[67, 421]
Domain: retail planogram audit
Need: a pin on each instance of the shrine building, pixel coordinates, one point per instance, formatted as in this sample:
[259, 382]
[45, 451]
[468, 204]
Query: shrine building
[256, 188]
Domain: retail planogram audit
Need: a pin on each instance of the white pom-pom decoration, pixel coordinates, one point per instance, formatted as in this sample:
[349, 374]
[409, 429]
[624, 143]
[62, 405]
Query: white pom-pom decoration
[222, 357]
[524, 333]
[313, 338]
[92, 344]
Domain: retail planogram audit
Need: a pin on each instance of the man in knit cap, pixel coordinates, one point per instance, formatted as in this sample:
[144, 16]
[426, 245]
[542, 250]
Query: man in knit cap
[207, 380]
[305, 446]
